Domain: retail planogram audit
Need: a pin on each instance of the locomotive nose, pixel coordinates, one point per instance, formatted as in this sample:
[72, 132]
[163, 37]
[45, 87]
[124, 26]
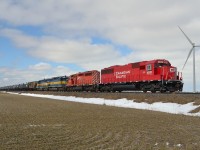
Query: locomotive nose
[173, 73]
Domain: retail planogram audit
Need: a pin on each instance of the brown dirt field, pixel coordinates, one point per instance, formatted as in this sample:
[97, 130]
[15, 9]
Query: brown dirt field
[36, 123]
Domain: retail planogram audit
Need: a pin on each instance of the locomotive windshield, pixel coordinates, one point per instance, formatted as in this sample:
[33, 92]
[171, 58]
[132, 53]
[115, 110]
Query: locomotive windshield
[161, 64]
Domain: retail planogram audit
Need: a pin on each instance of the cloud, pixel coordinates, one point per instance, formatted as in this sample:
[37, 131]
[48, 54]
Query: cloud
[19, 38]
[5, 79]
[71, 51]
[40, 66]
[82, 52]
[62, 71]
[12, 76]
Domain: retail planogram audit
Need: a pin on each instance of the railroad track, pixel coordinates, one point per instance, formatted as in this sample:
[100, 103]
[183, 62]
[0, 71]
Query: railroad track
[125, 92]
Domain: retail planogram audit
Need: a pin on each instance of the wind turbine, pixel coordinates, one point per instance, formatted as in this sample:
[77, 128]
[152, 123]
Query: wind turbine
[192, 49]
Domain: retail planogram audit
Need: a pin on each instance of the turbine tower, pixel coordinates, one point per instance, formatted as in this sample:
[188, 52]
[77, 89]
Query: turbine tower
[192, 50]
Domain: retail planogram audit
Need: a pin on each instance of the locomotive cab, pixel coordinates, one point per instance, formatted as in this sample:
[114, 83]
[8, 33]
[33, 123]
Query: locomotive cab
[169, 77]
[160, 67]
[166, 71]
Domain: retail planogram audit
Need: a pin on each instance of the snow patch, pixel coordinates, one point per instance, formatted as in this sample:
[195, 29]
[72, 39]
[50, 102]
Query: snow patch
[34, 125]
[172, 108]
[178, 145]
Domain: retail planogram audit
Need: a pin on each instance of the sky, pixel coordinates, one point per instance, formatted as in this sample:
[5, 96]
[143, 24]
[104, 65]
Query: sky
[48, 38]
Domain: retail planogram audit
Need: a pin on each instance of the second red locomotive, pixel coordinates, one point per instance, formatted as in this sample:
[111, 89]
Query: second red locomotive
[84, 81]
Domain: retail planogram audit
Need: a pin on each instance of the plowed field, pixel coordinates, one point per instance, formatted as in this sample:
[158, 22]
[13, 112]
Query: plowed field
[36, 123]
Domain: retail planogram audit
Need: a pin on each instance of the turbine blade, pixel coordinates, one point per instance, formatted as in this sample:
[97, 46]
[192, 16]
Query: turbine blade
[197, 45]
[186, 36]
[188, 57]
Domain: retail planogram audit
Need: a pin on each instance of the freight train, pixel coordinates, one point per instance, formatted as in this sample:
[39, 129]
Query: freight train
[154, 75]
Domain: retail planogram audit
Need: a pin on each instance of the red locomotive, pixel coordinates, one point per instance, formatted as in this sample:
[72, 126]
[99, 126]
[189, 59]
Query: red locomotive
[154, 75]
[84, 81]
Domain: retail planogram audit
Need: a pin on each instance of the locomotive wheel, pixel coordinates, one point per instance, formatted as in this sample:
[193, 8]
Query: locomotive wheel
[113, 91]
[144, 91]
[153, 90]
[162, 90]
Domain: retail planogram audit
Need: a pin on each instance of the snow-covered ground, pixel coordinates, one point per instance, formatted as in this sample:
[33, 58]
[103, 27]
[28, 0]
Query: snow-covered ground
[172, 108]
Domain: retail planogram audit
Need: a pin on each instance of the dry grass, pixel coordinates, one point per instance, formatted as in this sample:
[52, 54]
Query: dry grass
[195, 110]
[35, 123]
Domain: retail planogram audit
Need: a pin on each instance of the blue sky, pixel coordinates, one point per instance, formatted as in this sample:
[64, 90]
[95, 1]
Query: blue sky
[61, 37]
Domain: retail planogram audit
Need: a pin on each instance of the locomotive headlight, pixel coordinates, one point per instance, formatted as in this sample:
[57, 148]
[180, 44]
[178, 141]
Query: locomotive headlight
[172, 69]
